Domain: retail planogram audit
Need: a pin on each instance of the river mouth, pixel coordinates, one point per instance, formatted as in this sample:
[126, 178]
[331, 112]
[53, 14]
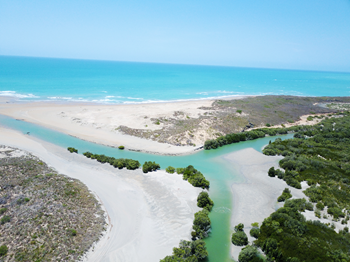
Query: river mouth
[211, 163]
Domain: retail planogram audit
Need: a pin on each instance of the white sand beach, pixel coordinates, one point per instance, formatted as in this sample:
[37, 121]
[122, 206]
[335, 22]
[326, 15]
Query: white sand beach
[99, 123]
[148, 214]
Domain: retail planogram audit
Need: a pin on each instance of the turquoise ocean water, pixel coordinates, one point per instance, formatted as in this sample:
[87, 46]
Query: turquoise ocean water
[128, 82]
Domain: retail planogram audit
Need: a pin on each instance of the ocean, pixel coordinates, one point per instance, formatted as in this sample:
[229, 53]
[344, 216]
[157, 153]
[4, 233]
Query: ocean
[50, 79]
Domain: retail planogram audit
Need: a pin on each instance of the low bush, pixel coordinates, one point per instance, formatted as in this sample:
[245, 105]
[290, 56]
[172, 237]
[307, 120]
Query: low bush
[180, 170]
[72, 150]
[72, 232]
[116, 162]
[170, 170]
[5, 219]
[285, 195]
[121, 147]
[150, 166]
[254, 232]
[3, 250]
[3, 210]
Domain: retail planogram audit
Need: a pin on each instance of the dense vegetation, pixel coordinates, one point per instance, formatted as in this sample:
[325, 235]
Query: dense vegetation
[150, 166]
[248, 135]
[286, 236]
[320, 155]
[193, 176]
[116, 162]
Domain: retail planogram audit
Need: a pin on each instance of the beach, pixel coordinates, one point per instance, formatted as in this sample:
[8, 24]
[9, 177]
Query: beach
[100, 123]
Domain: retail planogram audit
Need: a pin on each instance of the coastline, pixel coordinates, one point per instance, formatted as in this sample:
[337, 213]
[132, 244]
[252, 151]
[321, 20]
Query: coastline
[99, 123]
[142, 225]
[168, 128]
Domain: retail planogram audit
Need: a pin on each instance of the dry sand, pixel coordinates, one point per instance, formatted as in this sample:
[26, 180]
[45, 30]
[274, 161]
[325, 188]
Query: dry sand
[148, 214]
[99, 123]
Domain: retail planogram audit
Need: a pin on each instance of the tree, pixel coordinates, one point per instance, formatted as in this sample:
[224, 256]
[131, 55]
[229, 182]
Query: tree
[239, 237]
[201, 223]
[248, 254]
[254, 232]
[204, 201]
[272, 172]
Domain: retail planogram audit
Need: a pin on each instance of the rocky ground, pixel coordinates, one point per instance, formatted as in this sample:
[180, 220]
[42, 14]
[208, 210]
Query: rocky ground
[45, 216]
[231, 116]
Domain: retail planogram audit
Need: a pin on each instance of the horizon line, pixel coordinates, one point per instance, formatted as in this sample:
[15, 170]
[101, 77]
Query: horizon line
[164, 63]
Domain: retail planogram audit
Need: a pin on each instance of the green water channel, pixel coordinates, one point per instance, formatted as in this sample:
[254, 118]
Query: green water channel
[218, 171]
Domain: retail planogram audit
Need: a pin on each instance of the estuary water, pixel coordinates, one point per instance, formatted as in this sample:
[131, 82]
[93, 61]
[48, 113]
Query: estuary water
[220, 174]
[30, 78]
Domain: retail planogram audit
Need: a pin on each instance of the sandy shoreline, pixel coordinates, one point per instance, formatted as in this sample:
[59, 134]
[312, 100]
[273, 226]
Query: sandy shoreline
[103, 123]
[142, 224]
[99, 123]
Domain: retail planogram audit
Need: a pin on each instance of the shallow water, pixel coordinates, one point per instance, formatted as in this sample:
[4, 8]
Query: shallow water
[220, 174]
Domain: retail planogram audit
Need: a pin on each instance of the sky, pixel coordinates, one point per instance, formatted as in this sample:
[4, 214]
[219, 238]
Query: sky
[290, 34]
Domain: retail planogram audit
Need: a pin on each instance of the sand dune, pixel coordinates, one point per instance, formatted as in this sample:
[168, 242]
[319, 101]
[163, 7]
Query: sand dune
[99, 123]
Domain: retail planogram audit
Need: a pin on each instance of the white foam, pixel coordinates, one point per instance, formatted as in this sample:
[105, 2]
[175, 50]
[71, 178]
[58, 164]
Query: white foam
[135, 98]
[60, 98]
[14, 94]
